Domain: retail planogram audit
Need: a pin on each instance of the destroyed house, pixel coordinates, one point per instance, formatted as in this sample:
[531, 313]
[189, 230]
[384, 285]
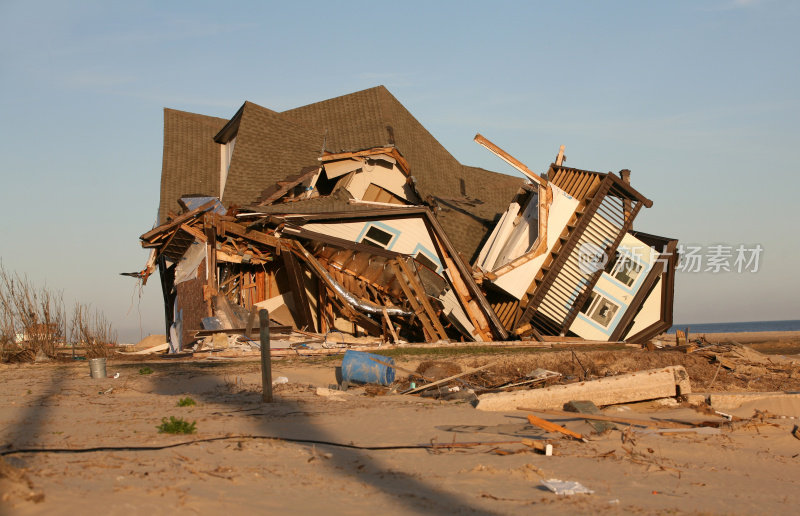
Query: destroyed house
[564, 260]
[348, 215]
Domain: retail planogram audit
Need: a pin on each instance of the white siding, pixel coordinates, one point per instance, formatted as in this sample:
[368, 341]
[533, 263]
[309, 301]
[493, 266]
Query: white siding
[388, 177]
[411, 234]
[517, 281]
[650, 312]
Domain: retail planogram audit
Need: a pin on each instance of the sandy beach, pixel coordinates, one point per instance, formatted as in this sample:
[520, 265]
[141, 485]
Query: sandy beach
[771, 342]
[309, 453]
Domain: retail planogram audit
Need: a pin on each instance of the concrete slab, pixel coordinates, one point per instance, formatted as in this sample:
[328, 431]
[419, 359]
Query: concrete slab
[625, 388]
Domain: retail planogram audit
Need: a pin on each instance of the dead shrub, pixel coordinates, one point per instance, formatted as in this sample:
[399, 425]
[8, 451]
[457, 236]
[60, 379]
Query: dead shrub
[33, 322]
[31, 318]
[91, 329]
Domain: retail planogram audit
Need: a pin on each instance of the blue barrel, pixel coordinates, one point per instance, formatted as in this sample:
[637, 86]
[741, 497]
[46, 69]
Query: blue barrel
[357, 367]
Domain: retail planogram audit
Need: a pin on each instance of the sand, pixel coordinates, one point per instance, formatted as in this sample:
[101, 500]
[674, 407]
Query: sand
[775, 342]
[752, 468]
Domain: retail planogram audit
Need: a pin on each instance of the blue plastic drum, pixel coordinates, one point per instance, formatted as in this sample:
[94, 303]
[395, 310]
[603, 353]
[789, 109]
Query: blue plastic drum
[358, 368]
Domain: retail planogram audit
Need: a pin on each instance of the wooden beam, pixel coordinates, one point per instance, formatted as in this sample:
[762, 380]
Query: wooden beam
[508, 158]
[199, 235]
[255, 236]
[390, 325]
[418, 310]
[560, 157]
[422, 296]
[177, 221]
[444, 248]
[362, 320]
[612, 419]
[463, 294]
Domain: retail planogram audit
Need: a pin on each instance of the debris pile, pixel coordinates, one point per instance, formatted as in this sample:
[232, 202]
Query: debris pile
[222, 270]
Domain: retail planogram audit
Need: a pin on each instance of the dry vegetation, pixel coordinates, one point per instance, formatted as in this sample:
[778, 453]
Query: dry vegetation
[93, 330]
[33, 322]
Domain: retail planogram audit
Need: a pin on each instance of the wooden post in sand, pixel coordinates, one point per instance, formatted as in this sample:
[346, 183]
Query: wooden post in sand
[266, 360]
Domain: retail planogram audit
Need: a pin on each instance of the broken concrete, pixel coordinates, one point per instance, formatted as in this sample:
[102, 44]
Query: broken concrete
[626, 388]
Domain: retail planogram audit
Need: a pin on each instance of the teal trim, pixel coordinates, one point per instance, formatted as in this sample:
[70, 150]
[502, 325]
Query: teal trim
[395, 233]
[638, 283]
[622, 308]
[432, 256]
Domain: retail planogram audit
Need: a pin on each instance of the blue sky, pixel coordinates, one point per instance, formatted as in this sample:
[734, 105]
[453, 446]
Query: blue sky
[701, 100]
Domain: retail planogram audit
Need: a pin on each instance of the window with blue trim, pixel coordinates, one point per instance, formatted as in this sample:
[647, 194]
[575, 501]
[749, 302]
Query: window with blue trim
[427, 262]
[626, 269]
[600, 309]
[377, 237]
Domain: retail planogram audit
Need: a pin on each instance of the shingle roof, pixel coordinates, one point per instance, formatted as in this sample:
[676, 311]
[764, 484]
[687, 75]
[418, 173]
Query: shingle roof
[268, 148]
[338, 201]
[191, 158]
[468, 217]
[272, 146]
[374, 118]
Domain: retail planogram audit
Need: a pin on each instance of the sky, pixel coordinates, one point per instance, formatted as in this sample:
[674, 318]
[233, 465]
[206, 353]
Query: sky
[699, 99]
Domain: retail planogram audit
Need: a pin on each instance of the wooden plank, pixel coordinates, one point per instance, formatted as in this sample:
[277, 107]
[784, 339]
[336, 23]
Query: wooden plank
[462, 292]
[177, 221]
[390, 325]
[560, 157]
[422, 296]
[449, 378]
[552, 427]
[211, 254]
[612, 419]
[199, 235]
[294, 272]
[362, 320]
[255, 236]
[508, 158]
[445, 249]
[418, 310]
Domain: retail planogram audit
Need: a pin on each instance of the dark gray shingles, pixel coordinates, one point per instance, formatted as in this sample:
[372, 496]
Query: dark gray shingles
[190, 163]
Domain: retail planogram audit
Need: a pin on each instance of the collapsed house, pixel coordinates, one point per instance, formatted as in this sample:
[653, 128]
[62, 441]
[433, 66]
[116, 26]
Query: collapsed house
[347, 215]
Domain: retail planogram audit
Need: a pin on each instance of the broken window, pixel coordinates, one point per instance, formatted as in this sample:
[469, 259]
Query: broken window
[626, 269]
[600, 309]
[375, 193]
[377, 237]
[427, 262]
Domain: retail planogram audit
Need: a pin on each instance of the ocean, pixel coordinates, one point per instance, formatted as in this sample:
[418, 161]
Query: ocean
[739, 327]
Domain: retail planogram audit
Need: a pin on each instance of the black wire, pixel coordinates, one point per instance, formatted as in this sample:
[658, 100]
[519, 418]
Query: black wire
[212, 439]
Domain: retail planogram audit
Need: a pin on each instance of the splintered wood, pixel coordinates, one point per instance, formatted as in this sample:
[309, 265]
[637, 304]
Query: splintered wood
[310, 281]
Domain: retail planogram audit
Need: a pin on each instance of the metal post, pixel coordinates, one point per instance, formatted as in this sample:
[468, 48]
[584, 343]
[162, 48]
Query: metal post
[266, 362]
